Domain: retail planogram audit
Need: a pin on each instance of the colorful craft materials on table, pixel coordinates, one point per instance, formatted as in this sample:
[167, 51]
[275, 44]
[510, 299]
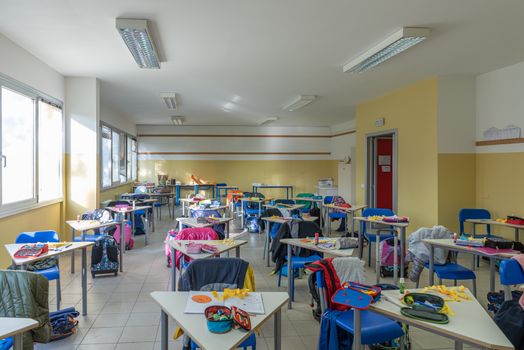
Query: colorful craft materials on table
[470, 241]
[454, 293]
[231, 293]
[391, 219]
[250, 302]
[198, 248]
[31, 250]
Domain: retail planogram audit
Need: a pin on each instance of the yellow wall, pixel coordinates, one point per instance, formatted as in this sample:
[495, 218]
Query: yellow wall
[411, 110]
[303, 174]
[113, 193]
[456, 187]
[49, 217]
[500, 185]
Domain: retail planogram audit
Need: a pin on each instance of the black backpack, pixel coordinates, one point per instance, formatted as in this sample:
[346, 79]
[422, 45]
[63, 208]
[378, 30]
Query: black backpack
[104, 256]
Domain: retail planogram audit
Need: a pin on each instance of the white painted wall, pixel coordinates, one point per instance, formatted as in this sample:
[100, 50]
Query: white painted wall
[19, 64]
[456, 114]
[116, 119]
[500, 102]
[341, 147]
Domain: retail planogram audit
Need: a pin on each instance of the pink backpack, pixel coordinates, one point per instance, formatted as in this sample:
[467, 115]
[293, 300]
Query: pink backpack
[130, 243]
[205, 233]
[387, 255]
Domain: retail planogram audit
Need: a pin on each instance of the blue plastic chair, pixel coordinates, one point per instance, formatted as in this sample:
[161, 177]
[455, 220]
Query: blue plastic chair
[375, 328]
[371, 237]
[297, 262]
[472, 213]
[455, 272]
[252, 208]
[6, 344]
[52, 273]
[510, 274]
[251, 341]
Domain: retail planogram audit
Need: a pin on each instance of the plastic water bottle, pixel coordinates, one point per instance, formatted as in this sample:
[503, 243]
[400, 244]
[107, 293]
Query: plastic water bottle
[401, 285]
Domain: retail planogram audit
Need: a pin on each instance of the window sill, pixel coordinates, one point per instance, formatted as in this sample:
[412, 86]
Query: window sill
[28, 208]
[116, 186]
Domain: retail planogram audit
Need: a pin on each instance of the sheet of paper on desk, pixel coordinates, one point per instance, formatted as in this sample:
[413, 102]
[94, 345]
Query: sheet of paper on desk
[252, 303]
[194, 307]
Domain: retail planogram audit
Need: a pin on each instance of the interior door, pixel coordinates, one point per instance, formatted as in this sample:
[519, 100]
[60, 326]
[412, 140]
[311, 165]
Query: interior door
[384, 172]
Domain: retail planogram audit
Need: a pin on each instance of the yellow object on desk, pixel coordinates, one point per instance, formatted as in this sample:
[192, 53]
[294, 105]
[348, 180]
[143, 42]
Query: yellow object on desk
[231, 293]
[455, 293]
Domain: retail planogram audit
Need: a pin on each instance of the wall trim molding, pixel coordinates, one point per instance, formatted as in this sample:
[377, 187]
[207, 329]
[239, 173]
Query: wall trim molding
[249, 135]
[239, 153]
[499, 142]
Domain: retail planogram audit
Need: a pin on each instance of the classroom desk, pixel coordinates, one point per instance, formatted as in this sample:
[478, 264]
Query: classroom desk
[172, 304]
[450, 245]
[180, 245]
[470, 325]
[400, 226]
[297, 242]
[476, 222]
[82, 226]
[289, 188]
[124, 212]
[279, 220]
[13, 248]
[289, 207]
[148, 201]
[193, 222]
[166, 195]
[349, 211]
[196, 188]
[218, 190]
[16, 327]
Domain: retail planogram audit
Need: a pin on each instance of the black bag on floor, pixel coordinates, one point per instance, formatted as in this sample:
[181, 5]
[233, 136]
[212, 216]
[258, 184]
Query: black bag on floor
[510, 319]
[104, 256]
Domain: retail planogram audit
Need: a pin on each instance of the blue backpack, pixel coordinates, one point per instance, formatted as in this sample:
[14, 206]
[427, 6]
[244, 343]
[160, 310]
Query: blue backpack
[252, 224]
[104, 256]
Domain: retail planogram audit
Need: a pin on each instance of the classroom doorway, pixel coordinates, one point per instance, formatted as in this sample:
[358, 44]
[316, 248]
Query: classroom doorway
[381, 177]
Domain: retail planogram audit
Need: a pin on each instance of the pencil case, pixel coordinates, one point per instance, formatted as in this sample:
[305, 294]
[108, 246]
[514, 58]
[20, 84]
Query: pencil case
[219, 319]
[498, 243]
[514, 220]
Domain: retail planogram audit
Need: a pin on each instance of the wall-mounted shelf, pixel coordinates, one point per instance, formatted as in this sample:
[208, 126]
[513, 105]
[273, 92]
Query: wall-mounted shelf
[499, 142]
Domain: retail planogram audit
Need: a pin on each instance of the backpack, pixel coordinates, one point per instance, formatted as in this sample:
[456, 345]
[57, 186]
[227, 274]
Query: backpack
[252, 224]
[387, 258]
[171, 234]
[63, 323]
[128, 240]
[104, 256]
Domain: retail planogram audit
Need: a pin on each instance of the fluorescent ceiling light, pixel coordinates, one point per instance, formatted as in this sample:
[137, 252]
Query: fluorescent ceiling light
[139, 41]
[299, 102]
[389, 47]
[169, 99]
[269, 120]
[177, 120]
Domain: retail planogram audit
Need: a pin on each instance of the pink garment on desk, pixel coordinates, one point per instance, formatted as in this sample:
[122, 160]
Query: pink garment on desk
[520, 260]
[194, 233]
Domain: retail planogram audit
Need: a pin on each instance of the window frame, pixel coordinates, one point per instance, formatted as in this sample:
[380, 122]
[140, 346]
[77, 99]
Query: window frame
[37, 96]
[125, 137]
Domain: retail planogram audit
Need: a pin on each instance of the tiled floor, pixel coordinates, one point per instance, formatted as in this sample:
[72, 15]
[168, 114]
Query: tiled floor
[122, 315]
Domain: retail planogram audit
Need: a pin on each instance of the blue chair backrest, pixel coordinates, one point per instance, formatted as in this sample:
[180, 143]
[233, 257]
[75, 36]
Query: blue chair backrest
[510, 272]
[328, 199]
[252, 205]
[473, 213]
[38, 236]
[374, 212]
[221, 184]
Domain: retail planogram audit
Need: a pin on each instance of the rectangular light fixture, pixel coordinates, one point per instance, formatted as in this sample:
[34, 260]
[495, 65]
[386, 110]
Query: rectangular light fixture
[177, 120]
[269, 120]
[139, 41]
[169, 99]
[299, 102]
[389, 47]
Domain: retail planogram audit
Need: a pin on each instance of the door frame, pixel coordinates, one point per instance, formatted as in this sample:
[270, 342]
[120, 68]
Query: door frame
[371, 171]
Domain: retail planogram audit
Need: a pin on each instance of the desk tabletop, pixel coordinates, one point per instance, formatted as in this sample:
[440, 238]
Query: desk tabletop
[228, 187]
[218, 207]
[129, 209]
[298, 242]
[193, 222]
[160, 194]
[10, 326]
[448, 243]
[181, 246]
[194, 325]
[282, 220]
[272, 186]
[382, 222]
[13, 248]
[471, 324]
[493, 222]
[85, 225]
[252, 199]
[349, 210]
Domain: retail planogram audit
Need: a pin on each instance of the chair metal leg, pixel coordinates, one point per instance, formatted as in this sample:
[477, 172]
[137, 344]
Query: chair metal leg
[58, 294]
[369, 253]
[440, 281]
[279, 276]
[455, 283]
[475, 288]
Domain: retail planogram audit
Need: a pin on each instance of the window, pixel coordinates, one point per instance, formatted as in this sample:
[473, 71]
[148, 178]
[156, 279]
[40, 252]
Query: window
[119, 157]
[31, 147]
